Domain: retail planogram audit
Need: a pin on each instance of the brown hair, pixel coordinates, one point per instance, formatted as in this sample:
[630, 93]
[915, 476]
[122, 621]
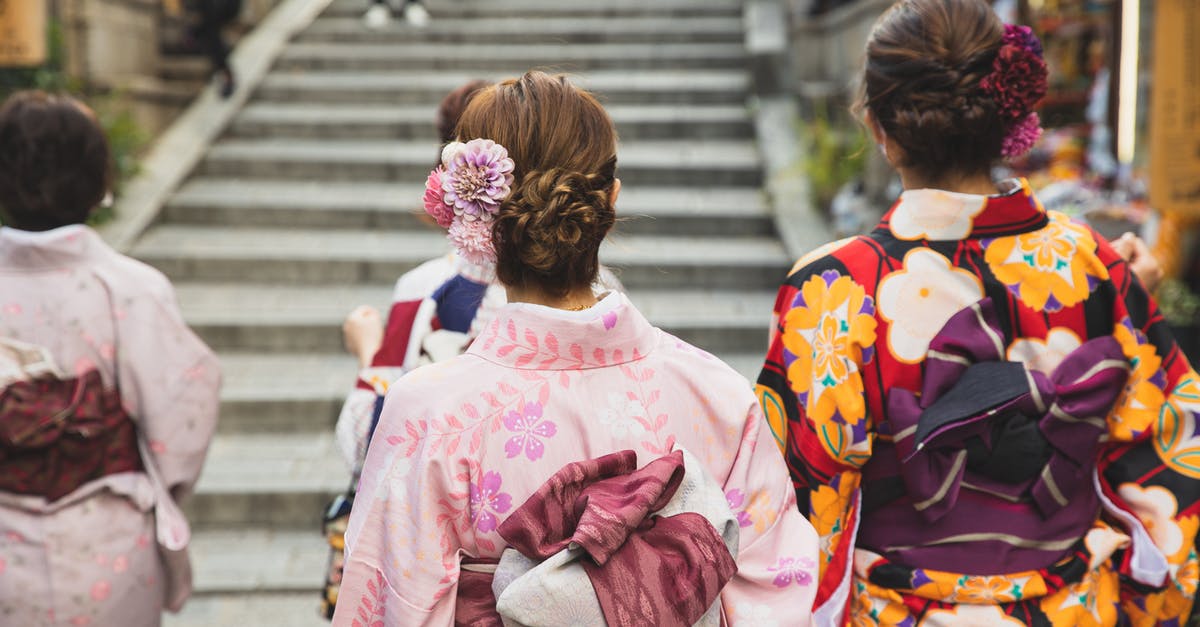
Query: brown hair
[54, 161]
[452, 107]
[921, 83]
[548, 231]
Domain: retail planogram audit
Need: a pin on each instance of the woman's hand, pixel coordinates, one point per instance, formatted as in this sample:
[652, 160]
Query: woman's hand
[362, 333]
[1141, 260]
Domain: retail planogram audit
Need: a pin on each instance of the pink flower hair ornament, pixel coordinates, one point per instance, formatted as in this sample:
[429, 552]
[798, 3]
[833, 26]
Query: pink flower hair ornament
[464, 194]
[1017, 83]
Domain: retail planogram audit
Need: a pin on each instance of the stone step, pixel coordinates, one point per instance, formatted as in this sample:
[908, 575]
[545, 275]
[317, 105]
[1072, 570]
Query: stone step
[733, 212]
[281, 319]
[306, 256]
[283, 392]
[415, 122]
[278, 480]
[260, 609]
[490, 9]
[696, 162]
[510, 58]
[532, 30]
[260, 560]
[680, 87]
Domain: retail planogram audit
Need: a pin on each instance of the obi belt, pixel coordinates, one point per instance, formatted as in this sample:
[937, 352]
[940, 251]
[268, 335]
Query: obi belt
[990, 470]
[603, 543]
[59, 434]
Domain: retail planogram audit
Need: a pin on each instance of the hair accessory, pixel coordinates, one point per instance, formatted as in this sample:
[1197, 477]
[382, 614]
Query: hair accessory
[464, 193]
[1017, 83]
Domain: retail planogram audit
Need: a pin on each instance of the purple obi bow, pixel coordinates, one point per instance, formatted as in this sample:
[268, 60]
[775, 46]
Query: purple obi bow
[942, 436]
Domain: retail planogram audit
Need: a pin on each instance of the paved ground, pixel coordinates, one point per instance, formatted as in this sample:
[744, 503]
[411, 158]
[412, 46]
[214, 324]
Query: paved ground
[305, 207]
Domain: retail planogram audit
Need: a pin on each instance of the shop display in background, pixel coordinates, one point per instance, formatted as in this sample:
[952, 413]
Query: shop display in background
[22, 33]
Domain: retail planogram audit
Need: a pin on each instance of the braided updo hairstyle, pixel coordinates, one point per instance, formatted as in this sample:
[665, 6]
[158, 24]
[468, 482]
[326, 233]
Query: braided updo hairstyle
[548, 230]
[925, 62]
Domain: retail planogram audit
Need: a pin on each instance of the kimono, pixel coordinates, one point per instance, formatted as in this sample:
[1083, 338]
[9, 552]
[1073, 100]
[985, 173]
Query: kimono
[462, 444]
[939, 498]
[436, 308]
[113, 550]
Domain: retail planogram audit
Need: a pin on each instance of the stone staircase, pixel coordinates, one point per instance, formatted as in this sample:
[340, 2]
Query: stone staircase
[307, 208]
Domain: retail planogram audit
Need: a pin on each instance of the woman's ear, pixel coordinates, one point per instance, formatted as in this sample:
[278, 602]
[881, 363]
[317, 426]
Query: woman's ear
[616, 191]
[881, 138]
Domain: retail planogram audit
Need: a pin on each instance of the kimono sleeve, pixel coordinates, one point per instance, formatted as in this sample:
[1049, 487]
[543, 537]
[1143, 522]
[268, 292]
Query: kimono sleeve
[1151, 464]
[777, 557]
[169, 379]
[811, 390]
[403, 538]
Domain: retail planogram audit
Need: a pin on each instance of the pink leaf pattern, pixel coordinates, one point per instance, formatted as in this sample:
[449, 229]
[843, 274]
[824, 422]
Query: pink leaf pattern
[371, 605]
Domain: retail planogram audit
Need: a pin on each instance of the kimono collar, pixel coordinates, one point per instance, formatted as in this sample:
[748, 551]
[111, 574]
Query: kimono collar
[530, 337]
[56, 248]
[937, 215]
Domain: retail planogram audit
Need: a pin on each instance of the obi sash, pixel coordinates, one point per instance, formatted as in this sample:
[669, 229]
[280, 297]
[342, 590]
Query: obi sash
[602, 542]
[59, 434]
[990, 470]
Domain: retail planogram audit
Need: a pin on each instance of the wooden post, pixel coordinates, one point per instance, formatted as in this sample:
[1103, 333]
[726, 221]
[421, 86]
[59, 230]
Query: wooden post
[1175, 124]
[22, 33]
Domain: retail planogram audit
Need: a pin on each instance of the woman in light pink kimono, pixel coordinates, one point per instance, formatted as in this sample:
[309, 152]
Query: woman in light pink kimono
[107, 400]
[566, 385]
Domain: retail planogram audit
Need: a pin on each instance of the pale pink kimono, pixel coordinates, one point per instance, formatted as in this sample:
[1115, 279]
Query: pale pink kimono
[92, 557]
[462, 443]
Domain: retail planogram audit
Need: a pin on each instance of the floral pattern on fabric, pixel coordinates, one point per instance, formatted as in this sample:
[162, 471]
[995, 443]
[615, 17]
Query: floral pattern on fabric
[1048, 269]
[487, 500]
[1158, 510]
[935, 215]
[1177, 439]
[774, 412]
[1140, 403]
[1044, 355]
[1091, 602]
[918, 299]
[793, 569]
[530, 429]
[829, 505]
[828, 335]
[969, 616]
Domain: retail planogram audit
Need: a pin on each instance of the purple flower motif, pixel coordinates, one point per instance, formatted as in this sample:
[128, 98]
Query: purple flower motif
[1022, 37]
[737, 503]
[487, 498]
[529, 427]
[798, 569]
[1022, 136]
[478, 176]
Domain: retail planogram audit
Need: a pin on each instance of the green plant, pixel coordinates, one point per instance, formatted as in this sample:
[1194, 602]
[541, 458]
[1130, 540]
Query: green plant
[836, 153]
[125, 138]
[1179, 305]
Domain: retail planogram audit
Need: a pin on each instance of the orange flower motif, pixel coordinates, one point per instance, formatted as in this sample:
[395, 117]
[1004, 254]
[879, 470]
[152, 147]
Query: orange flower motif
[1048, 269]
[1177, 439]
[1090, 603]
[874, 606]
[1142, 399]
[984, 590]
[830, 505]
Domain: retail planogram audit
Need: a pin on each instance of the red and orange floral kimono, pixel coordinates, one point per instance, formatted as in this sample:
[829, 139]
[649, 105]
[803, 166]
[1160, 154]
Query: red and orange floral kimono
[871, 332]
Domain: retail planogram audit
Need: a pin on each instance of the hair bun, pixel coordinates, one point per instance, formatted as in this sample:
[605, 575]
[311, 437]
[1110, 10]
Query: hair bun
[550, 217]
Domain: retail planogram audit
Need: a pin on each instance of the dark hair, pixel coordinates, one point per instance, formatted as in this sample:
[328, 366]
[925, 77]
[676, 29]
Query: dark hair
[925, 60]
[452, 107]
[548, 231]
[54, 161]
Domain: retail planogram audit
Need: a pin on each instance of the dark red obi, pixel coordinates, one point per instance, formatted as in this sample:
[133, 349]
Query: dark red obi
[58, 434]
[645, 569]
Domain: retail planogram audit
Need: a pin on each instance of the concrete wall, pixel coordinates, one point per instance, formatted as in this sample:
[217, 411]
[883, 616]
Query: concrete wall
[827, 51]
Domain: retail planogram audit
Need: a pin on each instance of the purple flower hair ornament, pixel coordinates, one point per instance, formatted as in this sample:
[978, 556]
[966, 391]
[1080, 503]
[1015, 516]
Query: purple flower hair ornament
[464, 193]
[1017, 83]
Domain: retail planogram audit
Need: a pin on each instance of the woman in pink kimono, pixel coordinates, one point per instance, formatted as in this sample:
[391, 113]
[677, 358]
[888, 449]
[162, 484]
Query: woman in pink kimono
[562, 471]
[107, 401]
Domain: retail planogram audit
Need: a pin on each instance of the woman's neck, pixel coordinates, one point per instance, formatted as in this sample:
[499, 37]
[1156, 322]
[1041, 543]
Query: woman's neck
[980, 184]
[575, 300]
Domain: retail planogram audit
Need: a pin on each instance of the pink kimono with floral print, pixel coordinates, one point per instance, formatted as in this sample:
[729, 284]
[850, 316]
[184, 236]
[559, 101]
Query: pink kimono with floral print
[91, 557]
[462, 443]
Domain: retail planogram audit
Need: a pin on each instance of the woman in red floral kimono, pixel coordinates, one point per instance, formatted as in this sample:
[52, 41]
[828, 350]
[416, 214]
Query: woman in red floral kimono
[984, 414]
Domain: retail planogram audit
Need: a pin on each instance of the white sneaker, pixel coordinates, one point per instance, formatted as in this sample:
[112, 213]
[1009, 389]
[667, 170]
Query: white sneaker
[378, 16]
[416, 15]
